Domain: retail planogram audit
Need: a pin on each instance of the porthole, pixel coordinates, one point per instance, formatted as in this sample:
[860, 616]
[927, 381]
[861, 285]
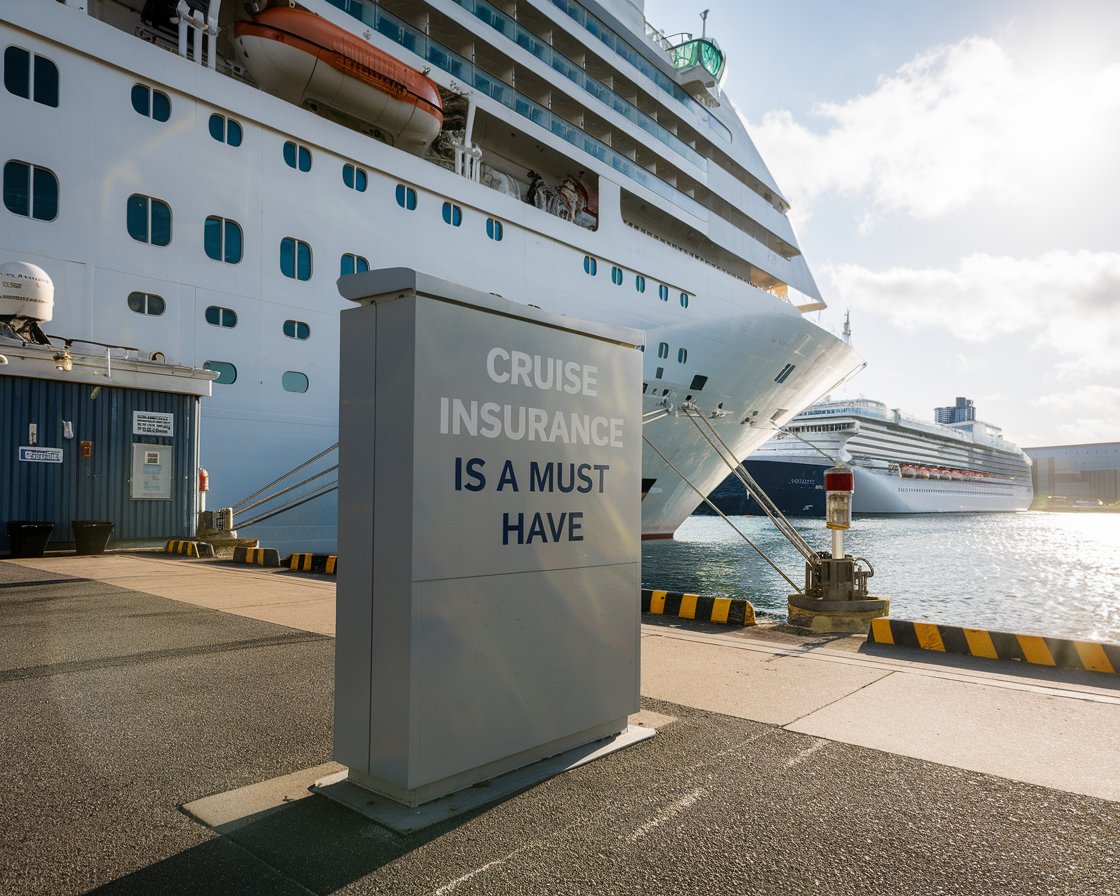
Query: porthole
[616, 275]
[148, 220]
[221, 317]
[406, 197]
[30, 191]
[640, 283]
[227, 373]
[297, 329]
[146, 303]
[494, 229]
[222, 239]
[590, 266]
[297, 156]
[354, 177]
[352, 264]
[154, 104]
[452, 214]
[663, 350]
[225, 130]
[684, 299]
[31, 76]
[682, 355]
[663, 292]
[295, 258]
[294, 381]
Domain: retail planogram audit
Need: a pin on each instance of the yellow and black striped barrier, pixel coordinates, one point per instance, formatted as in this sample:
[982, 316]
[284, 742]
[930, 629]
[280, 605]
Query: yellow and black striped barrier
[324, 563]
[1095, 656]
[189, 548]
[727, 610]
[257, 556]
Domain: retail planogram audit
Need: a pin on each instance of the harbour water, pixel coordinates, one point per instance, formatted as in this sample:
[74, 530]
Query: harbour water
[1035, 573]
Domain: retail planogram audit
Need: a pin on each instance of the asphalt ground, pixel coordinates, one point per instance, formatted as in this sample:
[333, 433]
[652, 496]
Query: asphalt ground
[119, 707]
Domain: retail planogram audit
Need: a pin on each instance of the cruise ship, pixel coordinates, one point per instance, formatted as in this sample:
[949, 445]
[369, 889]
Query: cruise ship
[954, 463]
[195, 175]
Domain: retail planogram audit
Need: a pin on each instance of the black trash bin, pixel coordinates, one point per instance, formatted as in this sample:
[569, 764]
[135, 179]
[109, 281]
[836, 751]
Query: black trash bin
[28, 538]
[91, 536]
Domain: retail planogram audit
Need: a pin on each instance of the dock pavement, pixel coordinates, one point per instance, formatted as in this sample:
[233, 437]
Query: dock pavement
[161, 719]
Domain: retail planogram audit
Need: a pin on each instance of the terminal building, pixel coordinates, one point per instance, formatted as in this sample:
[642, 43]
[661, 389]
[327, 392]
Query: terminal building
[1077, 472]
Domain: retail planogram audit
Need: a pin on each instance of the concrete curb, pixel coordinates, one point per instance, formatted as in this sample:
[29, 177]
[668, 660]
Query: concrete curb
[257, 556]
[726, 610]
[324, 563]
[1095, 656]
[189, 548]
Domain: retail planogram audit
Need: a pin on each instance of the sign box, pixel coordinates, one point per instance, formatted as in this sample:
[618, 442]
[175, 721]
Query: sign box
[489, 512]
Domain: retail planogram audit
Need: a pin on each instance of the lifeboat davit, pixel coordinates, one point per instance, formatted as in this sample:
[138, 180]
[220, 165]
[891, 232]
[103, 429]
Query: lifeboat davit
[304, 59]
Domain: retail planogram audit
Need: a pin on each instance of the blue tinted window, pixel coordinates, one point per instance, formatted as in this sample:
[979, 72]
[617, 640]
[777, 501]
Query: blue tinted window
[296, 329]
[640, 283]
[684, 299]
[682, 355]
[221, 317]
[663, 292]
[406, 197]
[295, 259]
[590, 266]
[353, 264]
[663, 350]
[46, 82]
[17, 72]
[227, 373]
[30, 191]
[452, 214]
[297, 156]
[151, 103]
[225, 130]
[494, 229]
[31, 77]
[146, 303]
[294, 381]
[616, 276]
[222, 239]
[354, 177]
[148, 220]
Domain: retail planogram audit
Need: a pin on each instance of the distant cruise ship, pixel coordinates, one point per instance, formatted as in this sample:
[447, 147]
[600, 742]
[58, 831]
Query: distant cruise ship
[901, 464]
[195, 175]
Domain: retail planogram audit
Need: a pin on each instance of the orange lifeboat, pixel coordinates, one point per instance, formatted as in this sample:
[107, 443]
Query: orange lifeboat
[304, 59]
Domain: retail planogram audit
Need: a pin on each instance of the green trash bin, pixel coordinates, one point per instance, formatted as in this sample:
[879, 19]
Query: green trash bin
[28, 538]
[91, 536]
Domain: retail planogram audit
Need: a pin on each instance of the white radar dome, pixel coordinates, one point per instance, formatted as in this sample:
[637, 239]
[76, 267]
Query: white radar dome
[26, 291]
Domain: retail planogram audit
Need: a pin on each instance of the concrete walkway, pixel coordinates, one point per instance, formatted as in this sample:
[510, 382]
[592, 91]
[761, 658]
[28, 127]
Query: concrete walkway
[132, 685]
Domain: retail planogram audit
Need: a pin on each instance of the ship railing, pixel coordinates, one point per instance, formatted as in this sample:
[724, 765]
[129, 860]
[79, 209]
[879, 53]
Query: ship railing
[707, 261]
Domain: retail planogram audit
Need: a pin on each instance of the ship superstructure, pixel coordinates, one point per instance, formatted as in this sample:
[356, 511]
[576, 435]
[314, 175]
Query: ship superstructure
[196, 175]
[902, 464]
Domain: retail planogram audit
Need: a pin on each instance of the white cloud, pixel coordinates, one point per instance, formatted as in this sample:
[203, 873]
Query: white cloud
[1089, 414]
[957, 124]
[1068, 301]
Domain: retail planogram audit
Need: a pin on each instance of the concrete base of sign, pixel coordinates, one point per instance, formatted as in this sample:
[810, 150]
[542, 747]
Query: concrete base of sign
[825, 616]
[407, 819]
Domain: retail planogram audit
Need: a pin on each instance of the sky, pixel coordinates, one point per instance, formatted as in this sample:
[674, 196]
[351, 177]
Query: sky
[954, 172]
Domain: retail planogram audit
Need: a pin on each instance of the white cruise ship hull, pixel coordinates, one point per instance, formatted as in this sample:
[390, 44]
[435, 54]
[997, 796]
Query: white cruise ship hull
[724, 351]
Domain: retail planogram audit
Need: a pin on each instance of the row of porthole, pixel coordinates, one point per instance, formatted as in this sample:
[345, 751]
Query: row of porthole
[32, 191]
[155, 305]
[591, 268]
[292, 380]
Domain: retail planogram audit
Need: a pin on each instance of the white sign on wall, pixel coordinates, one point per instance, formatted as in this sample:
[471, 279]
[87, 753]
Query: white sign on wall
[152, 423]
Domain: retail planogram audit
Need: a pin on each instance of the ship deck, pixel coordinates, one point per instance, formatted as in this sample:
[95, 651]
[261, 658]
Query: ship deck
[133, 685]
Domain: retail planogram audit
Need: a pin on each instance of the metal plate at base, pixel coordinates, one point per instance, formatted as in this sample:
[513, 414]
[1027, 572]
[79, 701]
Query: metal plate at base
[407, 820]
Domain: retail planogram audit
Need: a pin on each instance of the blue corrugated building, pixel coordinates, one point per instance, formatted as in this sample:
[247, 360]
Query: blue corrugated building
[98, 436]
